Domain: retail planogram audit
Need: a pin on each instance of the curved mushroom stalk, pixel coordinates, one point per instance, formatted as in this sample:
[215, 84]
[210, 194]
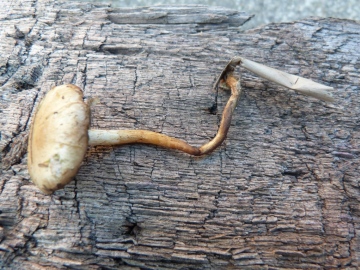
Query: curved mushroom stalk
[121, 137]
[59, 133]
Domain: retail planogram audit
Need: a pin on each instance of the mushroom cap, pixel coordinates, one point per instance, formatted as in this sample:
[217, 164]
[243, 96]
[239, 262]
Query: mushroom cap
[58, 138]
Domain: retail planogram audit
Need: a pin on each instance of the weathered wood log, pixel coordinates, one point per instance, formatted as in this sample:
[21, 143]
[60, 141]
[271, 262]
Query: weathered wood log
[282, 192]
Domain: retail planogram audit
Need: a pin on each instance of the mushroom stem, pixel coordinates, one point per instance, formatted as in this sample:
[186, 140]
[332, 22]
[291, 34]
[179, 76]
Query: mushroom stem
[121, 137]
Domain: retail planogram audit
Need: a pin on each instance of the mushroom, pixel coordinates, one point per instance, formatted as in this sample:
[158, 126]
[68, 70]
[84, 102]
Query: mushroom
[60, 134]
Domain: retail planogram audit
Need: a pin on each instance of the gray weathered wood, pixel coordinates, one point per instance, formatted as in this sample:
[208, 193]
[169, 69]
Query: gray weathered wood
[282, 192]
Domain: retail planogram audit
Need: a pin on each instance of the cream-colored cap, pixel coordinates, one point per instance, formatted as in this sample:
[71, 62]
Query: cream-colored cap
[58, 138]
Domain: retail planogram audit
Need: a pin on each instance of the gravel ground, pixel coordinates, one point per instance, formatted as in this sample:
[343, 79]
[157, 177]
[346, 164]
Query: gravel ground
[266, 11]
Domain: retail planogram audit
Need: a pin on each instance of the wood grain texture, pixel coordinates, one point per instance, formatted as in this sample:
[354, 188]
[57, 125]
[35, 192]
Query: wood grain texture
[281, 192]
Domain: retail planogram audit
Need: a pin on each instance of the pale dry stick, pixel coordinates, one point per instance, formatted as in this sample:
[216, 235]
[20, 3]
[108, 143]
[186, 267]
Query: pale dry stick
[60, 135]
[297, 83]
